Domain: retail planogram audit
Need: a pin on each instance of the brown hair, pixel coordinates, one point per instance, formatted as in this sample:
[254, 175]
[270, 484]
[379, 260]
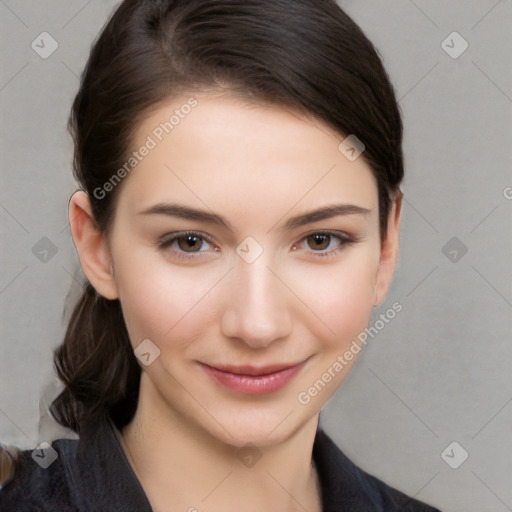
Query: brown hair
[304, 54]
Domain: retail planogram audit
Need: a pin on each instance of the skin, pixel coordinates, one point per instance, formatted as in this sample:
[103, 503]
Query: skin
[256, 166]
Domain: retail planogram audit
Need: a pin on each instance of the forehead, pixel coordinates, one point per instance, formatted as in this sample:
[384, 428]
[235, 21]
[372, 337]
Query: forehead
[228, 154]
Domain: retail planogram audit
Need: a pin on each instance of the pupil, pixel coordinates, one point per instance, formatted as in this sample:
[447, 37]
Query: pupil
[320, 241]
[189, 242]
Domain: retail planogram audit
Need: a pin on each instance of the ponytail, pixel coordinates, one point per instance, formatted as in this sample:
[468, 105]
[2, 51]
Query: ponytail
[97, 365]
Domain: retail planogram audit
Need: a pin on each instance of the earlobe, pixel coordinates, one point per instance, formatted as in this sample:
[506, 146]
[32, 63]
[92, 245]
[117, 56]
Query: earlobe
[91, 245]
[389, 252]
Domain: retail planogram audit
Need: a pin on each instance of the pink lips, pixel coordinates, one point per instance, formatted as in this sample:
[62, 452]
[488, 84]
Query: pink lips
[252, 380]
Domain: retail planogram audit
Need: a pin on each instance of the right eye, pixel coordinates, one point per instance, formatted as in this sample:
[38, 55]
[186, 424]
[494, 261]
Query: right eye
[185, 244]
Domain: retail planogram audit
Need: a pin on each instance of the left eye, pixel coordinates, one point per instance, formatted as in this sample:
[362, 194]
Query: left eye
[190, 243]
[320, 241]
[324, 243]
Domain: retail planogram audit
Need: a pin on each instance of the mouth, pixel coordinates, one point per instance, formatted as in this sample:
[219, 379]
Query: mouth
[254, 380]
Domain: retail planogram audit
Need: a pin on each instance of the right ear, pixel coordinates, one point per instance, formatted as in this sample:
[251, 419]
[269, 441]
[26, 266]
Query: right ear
[91, 245]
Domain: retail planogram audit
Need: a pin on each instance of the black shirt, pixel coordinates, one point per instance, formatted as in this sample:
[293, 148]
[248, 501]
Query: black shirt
[92, 474]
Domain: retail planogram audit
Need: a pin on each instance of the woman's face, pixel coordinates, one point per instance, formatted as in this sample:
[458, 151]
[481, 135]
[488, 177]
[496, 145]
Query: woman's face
[244, 242]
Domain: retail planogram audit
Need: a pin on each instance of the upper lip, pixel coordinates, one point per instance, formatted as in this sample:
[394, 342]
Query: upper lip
[254, 370]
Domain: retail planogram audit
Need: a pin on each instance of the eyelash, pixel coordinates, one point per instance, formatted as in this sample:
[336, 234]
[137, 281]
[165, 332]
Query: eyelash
[167, 240]
[344, 239]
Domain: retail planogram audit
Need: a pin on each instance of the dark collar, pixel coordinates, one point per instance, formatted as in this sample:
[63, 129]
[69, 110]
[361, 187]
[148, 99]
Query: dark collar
[100, 477]
[104, 477]
[100, 456]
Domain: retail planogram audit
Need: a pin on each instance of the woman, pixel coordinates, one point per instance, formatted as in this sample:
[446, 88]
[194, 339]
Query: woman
[238, 218]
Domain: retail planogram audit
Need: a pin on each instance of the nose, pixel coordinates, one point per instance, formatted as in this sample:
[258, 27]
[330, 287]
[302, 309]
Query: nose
[256, 308]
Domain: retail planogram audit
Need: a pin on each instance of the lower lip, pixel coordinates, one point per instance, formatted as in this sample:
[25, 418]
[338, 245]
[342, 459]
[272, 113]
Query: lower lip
[254, 385]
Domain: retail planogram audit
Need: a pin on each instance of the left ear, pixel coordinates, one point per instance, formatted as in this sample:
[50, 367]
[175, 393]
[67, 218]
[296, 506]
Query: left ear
[389, 252]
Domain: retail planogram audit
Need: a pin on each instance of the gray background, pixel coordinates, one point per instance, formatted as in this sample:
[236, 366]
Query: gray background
[440, 370]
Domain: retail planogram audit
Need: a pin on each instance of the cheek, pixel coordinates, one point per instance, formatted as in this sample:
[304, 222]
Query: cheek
[159, 302]
[339, 299]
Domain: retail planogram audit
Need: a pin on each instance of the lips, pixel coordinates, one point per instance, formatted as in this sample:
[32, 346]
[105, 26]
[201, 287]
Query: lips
[254, 380]
[254, 371]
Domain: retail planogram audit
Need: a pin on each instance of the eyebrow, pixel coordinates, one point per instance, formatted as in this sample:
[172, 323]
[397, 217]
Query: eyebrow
[188, 213]
[325, 213]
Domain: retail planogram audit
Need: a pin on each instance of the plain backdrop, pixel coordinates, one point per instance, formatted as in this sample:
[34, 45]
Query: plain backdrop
[439, 372]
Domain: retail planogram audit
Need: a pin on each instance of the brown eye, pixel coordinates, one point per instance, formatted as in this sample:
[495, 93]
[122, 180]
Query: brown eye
[186, 244]
[318, 241]
[189, 243]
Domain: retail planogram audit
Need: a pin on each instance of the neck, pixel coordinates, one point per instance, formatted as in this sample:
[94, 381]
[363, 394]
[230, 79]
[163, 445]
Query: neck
[182, 467]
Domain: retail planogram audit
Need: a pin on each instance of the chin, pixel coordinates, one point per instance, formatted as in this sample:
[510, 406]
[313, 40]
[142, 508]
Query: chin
[260, 427]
